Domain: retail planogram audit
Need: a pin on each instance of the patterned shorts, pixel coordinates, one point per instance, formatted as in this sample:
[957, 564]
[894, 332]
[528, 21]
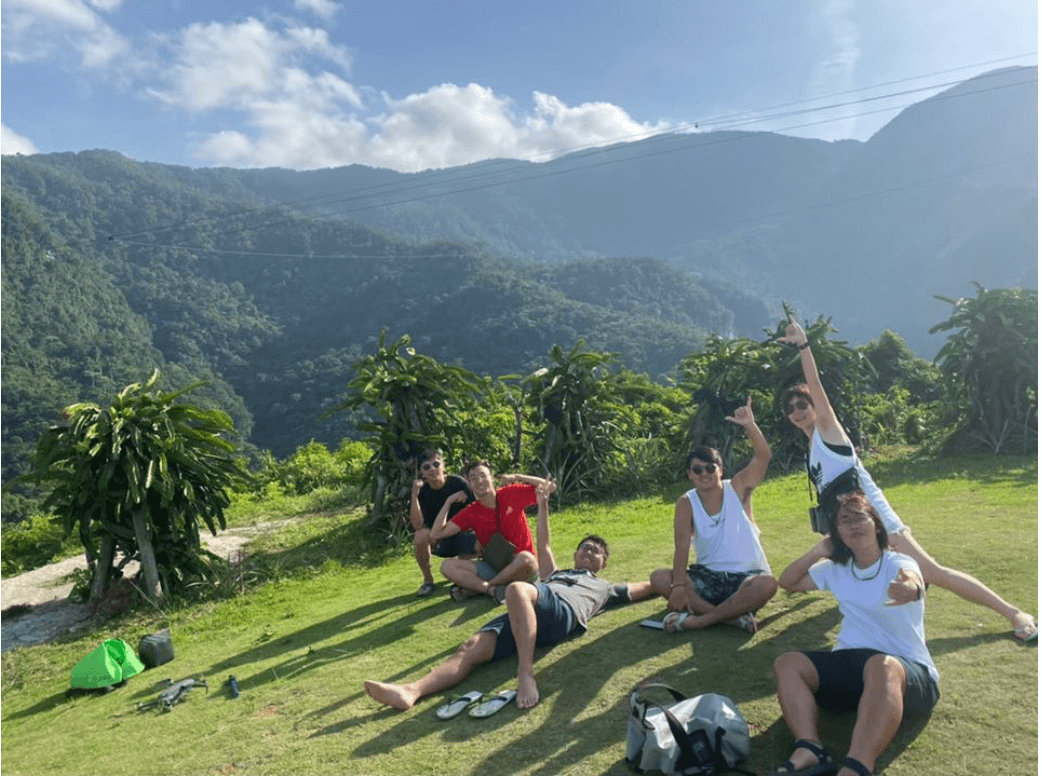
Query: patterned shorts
[715, 587]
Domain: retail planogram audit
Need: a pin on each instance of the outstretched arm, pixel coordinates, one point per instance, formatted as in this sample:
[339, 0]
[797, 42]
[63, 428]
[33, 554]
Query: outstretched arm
[827, 423]
[547, 564]
[752, 475]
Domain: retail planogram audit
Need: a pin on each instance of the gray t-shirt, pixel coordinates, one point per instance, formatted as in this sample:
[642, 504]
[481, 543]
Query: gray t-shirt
[586, 595]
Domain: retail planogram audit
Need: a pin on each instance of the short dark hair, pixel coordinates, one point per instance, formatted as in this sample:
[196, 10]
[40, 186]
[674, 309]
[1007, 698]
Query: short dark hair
[475, 464]
[429, 453]
[705, 453]
[596, 540]
[800, 390]
[855, 501]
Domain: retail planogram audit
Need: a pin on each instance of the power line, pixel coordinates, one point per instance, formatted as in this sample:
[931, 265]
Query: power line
[458, 254]
[756, 116]
[579, 160]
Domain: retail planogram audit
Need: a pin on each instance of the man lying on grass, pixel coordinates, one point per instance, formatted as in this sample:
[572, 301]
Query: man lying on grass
[540, 614]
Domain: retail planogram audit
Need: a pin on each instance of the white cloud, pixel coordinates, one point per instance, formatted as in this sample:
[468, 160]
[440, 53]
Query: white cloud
[248, 65]
[448, 125]
[836, 70]
[38, 29]
[327, 9]
[280, 94]
[13, 143]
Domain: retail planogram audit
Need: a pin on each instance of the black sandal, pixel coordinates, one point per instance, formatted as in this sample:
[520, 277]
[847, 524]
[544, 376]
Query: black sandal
[855, 765]
[825, 765]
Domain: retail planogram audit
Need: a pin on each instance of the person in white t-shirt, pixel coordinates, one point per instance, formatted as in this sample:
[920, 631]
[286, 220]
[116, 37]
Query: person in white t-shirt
[831, 453]
[880, 666]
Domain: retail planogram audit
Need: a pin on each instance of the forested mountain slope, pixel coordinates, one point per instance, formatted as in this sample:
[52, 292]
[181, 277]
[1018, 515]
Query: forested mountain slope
[267, 283]
[272, 307]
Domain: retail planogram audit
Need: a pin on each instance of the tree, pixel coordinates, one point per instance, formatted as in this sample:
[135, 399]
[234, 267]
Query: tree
[413, 402]
[139, 476]
[581, 417]
[991, 364]
[726, 371]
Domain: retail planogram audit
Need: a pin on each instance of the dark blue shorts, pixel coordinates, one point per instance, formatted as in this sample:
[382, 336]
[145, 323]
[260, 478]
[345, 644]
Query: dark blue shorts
[841, 681]
[554, 623]
[715, 587]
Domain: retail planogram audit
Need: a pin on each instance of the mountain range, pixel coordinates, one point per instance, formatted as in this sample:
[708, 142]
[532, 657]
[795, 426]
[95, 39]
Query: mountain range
[268, 283]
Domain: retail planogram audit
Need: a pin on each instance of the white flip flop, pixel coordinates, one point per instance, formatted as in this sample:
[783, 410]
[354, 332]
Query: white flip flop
[456, 706]
[493, 704]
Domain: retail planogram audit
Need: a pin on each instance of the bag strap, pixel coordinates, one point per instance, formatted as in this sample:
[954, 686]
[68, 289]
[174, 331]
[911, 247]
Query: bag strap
[687, 752]
[635, 699]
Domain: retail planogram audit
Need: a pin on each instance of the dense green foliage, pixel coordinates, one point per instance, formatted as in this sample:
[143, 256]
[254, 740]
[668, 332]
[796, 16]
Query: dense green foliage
[279, 314]
[207, 282]
[991, 360]
[140, 476]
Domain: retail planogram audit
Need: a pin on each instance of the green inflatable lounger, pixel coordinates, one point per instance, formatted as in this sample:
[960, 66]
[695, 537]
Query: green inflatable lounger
[108, 666]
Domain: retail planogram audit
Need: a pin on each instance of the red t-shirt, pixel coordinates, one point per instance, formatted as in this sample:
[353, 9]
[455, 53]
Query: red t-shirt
[512, 500]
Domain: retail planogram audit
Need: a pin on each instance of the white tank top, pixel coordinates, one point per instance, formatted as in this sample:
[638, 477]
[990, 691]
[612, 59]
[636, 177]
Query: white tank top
[728, 540]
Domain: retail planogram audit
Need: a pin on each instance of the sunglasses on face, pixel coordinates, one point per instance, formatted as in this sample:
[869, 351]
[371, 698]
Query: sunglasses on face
[431, 465]
[709, 468]
[799, 404]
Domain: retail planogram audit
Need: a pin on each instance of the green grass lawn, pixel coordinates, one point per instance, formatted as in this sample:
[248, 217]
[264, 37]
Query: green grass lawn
[344, 611]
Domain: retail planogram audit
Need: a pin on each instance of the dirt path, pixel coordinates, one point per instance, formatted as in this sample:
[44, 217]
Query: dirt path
[46, 592]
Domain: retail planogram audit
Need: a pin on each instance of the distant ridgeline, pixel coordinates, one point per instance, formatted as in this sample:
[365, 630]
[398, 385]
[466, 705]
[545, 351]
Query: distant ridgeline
[270, 283]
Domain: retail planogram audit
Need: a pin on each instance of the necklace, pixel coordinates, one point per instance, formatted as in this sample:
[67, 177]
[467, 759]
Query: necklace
[879, 567]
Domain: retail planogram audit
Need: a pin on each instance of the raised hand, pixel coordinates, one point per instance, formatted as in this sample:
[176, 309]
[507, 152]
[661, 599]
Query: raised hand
[794, 334]
[545, 489]
[743, 416]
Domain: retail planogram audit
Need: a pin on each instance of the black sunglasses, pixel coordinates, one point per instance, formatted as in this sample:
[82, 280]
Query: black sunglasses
[709, 468]
[431, 465]
[799, 404]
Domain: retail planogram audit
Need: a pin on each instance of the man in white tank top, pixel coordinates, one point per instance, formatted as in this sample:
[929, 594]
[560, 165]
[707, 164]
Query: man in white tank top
[731, 578]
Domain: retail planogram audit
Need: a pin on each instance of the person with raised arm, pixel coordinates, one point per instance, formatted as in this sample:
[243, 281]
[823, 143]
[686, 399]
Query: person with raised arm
[493, 511]
[831, 455]
[731, 578]
[538, 614]
[880, 666]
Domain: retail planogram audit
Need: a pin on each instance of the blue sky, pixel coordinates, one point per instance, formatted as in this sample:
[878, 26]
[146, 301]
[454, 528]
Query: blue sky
[419, 84]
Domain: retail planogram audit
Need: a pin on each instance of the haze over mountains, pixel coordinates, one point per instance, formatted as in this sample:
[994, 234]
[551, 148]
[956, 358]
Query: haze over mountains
[945, 194]
[269, 282]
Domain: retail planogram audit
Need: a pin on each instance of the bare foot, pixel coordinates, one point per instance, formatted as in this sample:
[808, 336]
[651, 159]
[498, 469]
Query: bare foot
[527, 691]
[394, 695]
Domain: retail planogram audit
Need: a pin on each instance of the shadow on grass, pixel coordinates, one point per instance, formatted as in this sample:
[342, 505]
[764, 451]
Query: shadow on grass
[298, 655]
[570, 735]
[47, 704]
[773, 745]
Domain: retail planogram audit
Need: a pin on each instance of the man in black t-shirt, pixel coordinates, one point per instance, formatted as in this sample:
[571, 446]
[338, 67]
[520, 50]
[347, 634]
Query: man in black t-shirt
[429, 493]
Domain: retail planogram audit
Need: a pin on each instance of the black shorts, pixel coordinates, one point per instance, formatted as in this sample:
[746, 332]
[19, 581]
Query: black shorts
[841, 681]
[554, 623]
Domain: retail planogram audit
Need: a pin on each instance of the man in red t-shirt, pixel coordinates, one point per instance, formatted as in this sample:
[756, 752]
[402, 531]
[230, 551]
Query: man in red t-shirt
[478, 577]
